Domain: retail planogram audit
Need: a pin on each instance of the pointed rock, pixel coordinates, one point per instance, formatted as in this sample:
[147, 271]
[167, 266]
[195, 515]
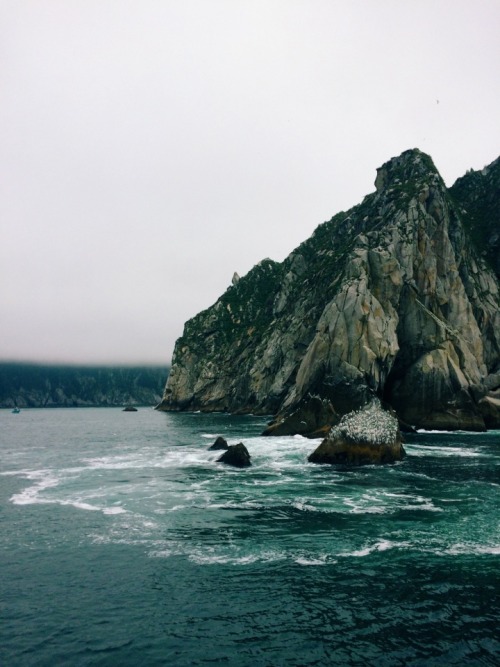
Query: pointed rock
[236, 455]
[220, 443]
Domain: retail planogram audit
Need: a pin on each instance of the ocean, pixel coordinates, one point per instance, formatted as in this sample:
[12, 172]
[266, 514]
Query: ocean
[123, 542]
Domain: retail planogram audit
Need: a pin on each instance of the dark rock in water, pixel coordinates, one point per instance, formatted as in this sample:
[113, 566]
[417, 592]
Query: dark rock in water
[220, 443]
[313, 418]
[367, 436]
[236, 455]
[129, 408]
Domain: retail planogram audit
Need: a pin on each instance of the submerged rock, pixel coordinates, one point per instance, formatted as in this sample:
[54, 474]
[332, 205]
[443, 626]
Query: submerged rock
[366, 436]
[220, 443]
[236, 455]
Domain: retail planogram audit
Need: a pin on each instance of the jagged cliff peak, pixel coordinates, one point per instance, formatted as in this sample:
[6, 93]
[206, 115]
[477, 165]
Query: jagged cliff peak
[388, 299]
[411, 166]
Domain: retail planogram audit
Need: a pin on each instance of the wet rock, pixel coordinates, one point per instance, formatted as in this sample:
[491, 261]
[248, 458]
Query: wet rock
[220, 443]
[236, 455]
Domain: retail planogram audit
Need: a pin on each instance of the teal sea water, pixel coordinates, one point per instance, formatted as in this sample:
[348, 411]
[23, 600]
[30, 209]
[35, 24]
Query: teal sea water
[123, 542]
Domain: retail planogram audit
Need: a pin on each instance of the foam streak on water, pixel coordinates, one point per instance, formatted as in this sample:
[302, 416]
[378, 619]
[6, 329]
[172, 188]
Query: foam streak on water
[117, 518]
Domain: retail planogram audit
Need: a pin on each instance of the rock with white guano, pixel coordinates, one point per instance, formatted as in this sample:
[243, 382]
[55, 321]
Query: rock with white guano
[367, 436]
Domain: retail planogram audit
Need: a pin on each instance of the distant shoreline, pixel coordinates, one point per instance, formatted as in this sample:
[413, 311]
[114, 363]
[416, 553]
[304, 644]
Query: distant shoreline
[33, 385]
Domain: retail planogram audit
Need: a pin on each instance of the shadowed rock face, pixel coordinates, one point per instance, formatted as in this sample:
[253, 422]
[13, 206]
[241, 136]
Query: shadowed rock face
[220, 443]
[478, 195]
[312, 418]
[368, 436]
[391, 299]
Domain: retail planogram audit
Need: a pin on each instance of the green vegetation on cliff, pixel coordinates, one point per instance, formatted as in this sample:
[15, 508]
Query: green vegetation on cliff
[43, 385]
[478, 195]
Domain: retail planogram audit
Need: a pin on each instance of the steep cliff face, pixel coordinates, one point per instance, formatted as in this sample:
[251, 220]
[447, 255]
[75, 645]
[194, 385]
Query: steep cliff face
[478, 196]
[390, 299]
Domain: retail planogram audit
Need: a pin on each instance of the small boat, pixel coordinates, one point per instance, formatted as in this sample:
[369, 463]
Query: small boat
[16, 411]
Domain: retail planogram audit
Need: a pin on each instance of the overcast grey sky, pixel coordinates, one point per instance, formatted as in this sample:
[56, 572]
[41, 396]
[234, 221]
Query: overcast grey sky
[149, 149]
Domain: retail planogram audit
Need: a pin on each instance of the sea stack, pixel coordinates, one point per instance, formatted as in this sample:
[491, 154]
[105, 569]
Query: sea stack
[362, 437]
[236, 455]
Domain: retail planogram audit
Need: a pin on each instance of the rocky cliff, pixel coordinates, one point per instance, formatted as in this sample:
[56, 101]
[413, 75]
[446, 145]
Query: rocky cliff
[395, 298]
[478, 196]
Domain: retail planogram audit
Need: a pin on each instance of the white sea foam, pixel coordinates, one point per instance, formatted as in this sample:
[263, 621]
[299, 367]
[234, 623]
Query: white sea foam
[116, 462]
[458, 432]
[365, 504]
[436, 450]
[381, 545]
[79, 505]
[473, 549]
[415, 502]
[303, 560]
[204, 558]
[367, 510]
[44, 479]
[114, 510]
[437, 432]
[249, 503]
[389, 494]
[304, 506]
[277, 479]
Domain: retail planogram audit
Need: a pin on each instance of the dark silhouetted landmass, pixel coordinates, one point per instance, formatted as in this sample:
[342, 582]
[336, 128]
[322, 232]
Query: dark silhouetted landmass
[27, 385]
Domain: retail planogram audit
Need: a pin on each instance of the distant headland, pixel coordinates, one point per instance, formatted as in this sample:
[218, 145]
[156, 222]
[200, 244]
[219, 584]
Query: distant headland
[30, 385]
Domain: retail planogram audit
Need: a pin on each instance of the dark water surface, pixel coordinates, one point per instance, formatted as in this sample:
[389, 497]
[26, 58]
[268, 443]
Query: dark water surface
[123, 542]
